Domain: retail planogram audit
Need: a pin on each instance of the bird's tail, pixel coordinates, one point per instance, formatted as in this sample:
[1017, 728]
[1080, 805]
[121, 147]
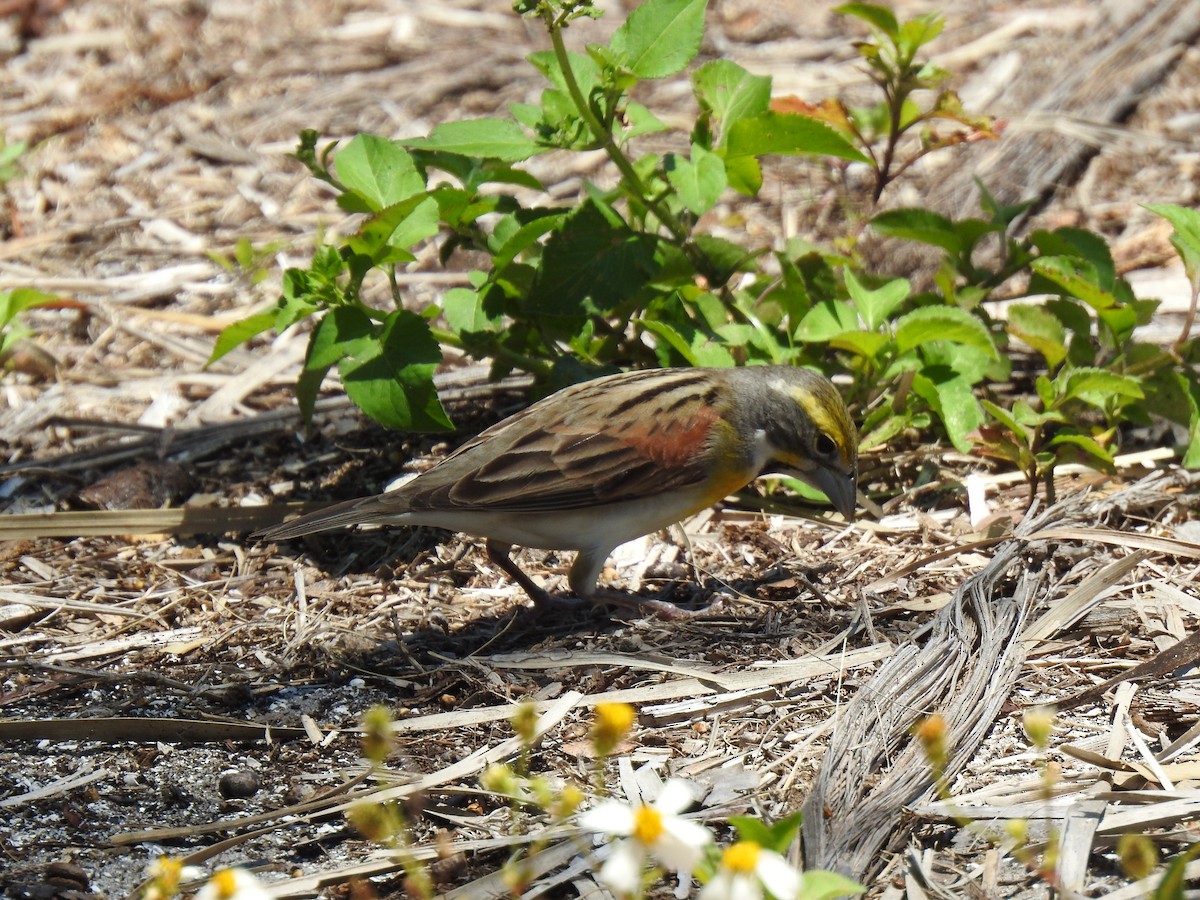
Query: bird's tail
[363, 511]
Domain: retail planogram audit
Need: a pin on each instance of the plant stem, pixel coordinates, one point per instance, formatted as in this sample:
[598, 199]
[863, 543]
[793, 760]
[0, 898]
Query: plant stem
[536, 367]
[539, 368]
[446, 337]
[896, 110]
[1191, 314]
[604, 135]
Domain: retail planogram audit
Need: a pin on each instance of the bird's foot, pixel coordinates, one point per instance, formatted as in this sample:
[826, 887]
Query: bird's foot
[655, 606]
[557, 604]
[631, 604]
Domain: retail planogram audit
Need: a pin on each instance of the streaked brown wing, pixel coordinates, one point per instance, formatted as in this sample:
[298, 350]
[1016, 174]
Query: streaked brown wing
[605, 441]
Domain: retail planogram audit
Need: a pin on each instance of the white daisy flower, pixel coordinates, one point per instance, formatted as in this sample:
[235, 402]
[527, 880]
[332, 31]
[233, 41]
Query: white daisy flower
[746, 869]
[233, 884]
[654, 831]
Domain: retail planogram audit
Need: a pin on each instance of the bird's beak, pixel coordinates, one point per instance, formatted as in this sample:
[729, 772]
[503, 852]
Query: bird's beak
[839, 487]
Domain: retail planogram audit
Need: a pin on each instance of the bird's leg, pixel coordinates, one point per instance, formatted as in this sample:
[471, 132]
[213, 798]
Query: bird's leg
[497, 552]
[586, 570]
[584, 573]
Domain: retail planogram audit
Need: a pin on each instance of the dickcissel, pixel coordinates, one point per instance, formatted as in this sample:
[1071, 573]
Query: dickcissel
[606, 461]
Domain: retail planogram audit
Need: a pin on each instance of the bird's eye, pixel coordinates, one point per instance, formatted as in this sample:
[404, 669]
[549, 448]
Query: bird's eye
[825, 445]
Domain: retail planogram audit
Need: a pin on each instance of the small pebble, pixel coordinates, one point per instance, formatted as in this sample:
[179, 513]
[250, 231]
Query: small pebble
[238, 785]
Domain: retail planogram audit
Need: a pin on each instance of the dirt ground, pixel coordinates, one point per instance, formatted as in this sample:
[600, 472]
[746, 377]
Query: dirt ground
[197, 695]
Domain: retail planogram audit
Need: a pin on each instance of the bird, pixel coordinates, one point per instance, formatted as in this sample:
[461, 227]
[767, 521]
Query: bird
[602, 462]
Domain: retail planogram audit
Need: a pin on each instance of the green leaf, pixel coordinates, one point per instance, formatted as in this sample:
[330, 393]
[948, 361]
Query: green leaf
[699, 180]
[818, 884]
[1071, 313]
[950, 396]
[1077, 278]
[1007, 419]
[308, 385]
[777, 837]
[1191, 453]
[728, 92]
[1032, 418]
[307, 290]
[464, 312]
[827, 320]
[528, 114]
[879, 17]
[784, 832]
[1087, 444]
[917, 32]
[1120, 321]
[790, 292]
[524, 238]
[744, 174]
[396, 387]
[967, 360]
[884, 431]
[758, 341]
[592, 259]
[1186, 237]
[864, 343]
[10, 337]
[750, 828]
[693, 345]
[1168, 394]
[1097, 386]
[343, 331]
[660, 37]
[923, 225]
[1040, 329]
[1045, 391]
[490, 138]
[585, 69]
[724, 258]
[942, 323]
[876, 306]
[999, 213]
[712, 309]
[386, 235]
[10, 153]
[472, 173]
[1081, 244]
[377, 172]
[387, 369]
[239, 332]
[1175, 879]
[640, 121]
[14, 302]
[789, 134]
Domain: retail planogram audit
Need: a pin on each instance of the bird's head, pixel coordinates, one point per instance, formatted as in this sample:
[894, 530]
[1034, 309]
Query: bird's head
[808, 433]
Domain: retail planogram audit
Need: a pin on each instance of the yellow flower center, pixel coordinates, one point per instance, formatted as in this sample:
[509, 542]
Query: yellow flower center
[647, 825]
[741, 857]
[613, 721]
[226, 883]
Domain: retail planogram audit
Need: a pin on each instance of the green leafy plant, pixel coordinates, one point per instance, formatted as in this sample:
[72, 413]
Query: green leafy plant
[1175, 881]
[622, 278]
[901, 127]
[12, 304]
[628, 277]
[251, 264]
[10, 156]
[1098, 374]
